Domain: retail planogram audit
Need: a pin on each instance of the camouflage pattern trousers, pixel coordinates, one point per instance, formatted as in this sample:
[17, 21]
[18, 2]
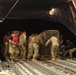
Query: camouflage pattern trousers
[54, 51]
[22, 51]
[6, 48]
[30, 50]
[35, 50]
[71, 51]
[14, 51]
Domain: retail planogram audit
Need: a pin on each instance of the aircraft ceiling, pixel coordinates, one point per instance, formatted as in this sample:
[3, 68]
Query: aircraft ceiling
[24, 9]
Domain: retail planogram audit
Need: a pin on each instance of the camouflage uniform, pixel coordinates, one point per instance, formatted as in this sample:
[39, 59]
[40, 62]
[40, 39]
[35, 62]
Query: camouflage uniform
[37, 40]
[54, 47]
[13, 46]
[30, 47]
[22, 45]
[14, 51]
[69, 46]
[72, 51]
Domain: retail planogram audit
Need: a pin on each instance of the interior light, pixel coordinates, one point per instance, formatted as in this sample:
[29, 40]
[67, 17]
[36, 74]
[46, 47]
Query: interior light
[52, 11]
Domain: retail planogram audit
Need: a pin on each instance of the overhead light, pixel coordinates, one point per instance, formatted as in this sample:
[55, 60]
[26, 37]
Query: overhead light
[52, 11]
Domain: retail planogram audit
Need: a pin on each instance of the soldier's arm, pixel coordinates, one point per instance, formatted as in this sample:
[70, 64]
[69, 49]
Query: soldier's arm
[21, 40]
[47, 42]
[58, 41]
[10, 41]
[41, 41]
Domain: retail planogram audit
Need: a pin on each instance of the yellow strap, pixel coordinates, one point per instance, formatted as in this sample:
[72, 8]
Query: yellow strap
[6, 42]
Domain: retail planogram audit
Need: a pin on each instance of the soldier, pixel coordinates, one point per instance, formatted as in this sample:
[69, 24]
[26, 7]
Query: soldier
[69, 46]
[70, 53]
[30, 49]
[22, 45]
[37, 40]
[13, 46]
[6, 45]
[54, 46]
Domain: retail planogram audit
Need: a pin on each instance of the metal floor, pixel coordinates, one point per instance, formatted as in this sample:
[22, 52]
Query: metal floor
[47, 67]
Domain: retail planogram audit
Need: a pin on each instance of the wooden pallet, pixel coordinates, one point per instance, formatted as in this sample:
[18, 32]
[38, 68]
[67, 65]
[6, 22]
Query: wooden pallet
[45, 57]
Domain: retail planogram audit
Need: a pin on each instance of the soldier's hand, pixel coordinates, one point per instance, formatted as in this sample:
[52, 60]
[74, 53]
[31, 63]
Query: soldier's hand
[17, 45]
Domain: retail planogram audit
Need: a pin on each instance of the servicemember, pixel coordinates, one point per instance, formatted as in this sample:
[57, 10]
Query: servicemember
[13, 46]
[54, 46]
[22, 45]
